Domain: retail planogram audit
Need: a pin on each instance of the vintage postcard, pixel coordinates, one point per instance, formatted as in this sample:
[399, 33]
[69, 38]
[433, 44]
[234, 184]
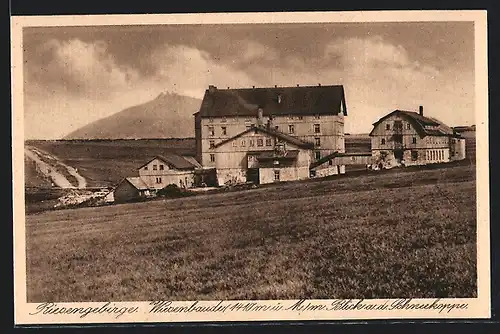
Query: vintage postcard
[250, 167]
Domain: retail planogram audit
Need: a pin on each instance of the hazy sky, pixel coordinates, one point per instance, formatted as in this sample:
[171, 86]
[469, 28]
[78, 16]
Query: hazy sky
[76, 75]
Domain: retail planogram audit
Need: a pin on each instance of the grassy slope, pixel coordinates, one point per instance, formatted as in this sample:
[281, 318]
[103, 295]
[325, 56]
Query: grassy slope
[391, 234]
[33, 178]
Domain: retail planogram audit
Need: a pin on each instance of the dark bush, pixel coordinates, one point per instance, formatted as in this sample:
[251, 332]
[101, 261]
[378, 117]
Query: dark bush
[173, 191]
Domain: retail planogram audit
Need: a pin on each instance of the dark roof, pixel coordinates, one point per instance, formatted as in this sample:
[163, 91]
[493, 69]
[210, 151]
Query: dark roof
[305, 100]
[272, 132]
[137, 183]
[463, 128]
[323, 160]
[421, 123]
[177, 161]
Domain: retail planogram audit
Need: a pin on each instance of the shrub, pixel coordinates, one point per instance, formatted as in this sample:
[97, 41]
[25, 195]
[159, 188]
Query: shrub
[173, 191]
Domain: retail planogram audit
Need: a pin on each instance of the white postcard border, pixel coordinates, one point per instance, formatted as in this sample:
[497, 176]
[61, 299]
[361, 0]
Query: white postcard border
[33, 313]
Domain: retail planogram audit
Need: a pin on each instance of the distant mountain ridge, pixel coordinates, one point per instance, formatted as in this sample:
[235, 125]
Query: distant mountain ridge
[169, 115]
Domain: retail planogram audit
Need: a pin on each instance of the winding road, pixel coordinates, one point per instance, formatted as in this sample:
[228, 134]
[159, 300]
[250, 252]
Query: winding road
[47, 165]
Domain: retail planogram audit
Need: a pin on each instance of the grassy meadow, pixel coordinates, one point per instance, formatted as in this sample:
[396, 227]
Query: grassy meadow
[397, 233]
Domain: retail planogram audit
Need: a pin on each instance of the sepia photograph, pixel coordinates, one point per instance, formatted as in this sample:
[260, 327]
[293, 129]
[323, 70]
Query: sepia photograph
[229, 160]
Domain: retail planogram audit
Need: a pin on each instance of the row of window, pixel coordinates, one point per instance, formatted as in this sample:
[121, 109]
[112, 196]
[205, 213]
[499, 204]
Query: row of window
[291, 129]
[155, 167]
[181, 183]
[413, 141]
[291, 117]
[260, 142]
[434, 155]
[317, 156]
[398, 125]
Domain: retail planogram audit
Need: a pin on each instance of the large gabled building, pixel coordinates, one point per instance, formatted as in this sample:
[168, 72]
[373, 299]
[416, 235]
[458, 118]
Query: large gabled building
[313, 115]
[410, 138]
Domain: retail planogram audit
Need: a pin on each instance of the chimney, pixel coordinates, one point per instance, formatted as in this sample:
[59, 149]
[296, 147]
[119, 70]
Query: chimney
[253, 86]
[421, 110]
[270, 122]
[319, 84]
[297, 85]
[275, 86]
[260, 117]
[212, 88]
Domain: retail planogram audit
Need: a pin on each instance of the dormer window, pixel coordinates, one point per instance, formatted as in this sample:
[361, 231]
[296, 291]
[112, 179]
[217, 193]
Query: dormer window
[279, 98]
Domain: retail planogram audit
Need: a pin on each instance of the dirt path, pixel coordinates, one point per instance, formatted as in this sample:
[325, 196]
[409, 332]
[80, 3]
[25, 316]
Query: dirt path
[50, 169]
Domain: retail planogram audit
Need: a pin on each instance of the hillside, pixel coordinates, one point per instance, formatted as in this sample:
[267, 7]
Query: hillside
[168, 116]
[371, 236]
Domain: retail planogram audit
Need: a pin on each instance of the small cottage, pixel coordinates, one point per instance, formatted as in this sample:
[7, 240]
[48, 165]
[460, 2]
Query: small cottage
[156, 174]
[163, 170]
[129, 189]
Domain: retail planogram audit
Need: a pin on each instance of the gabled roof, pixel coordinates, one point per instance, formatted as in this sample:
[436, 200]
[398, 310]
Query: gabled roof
[137, 183]
[193, 161]
[177, 161]
[425, 126]
[305, 100]
[271, 132]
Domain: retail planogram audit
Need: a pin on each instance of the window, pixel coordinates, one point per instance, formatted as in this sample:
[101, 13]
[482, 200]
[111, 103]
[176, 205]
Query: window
[290, 116]
[276, 127]
[252, 125]
[330, 162]
[316, 116]
[248, 120]
[158, 180]
[211, 120]
[414, 155]
[252, 143]
[248, 127]
[317, 141]
[301, 117]
[291, 129]
[161, 167]
[224, 130]
[317, 155]
[269, 142]
[212, 157]
[224, 120]
[145, 167]
[243, 143]
[382, 141]
[211, 131]
[408, 126]
[260, 142]
[155, 167]
[212, 144]
[279, 98]
[276, 175]
[235, 144]
[414, 140]
[317, 128]
[387, 126]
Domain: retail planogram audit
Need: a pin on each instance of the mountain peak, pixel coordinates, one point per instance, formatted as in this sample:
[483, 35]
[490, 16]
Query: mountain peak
[170, 118]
